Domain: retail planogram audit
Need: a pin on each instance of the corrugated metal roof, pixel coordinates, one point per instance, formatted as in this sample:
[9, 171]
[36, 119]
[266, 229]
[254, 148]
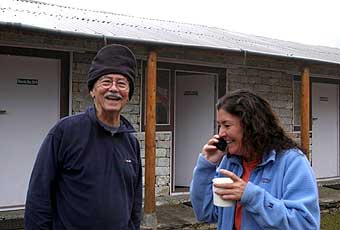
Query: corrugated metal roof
[88, 22]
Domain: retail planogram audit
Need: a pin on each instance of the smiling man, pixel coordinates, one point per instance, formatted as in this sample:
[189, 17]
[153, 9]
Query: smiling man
[88, 172]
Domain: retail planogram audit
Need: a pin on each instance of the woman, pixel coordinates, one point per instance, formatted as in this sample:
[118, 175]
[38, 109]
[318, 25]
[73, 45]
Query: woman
[273, 184]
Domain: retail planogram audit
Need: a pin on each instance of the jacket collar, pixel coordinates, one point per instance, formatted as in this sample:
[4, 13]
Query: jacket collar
[125, 125]
[269, 157]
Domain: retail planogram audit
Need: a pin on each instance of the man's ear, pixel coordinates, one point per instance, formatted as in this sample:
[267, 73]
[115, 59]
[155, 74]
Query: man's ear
[92, 94]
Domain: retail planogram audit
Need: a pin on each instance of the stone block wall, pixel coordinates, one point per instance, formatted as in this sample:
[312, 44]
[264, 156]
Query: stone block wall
[275, 86]
[163, 159]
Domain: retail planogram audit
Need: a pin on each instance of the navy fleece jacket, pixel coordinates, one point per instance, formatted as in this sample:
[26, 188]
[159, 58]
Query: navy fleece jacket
[86, 177]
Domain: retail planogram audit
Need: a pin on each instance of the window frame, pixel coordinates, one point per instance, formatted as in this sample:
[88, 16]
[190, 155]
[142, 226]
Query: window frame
[173, 67]
[159, 127]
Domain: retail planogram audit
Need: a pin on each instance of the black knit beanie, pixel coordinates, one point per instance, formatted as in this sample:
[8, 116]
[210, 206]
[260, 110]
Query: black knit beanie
[113, 59]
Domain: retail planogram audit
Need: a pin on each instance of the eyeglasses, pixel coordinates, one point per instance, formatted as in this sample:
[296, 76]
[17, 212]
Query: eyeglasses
[107, 83]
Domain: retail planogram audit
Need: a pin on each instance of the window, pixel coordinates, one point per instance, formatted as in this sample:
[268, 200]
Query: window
[163, 97]
[297, 104]
[163, 100]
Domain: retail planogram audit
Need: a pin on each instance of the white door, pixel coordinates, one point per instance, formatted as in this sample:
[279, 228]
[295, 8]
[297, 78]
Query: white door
[194, 122]
[29, 106]
[325, 126]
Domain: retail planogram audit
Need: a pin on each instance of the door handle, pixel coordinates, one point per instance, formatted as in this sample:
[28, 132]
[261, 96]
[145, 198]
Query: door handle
[3, 111]
[315, 118]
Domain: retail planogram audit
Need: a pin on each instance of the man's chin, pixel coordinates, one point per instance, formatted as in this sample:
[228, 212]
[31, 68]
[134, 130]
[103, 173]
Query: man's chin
[112, 109]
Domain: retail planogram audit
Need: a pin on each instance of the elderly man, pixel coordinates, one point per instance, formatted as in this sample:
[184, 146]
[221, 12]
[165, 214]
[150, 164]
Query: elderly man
[88, 172]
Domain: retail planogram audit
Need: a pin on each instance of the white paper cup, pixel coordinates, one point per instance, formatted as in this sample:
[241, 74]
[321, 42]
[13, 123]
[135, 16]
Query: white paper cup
[218, 201]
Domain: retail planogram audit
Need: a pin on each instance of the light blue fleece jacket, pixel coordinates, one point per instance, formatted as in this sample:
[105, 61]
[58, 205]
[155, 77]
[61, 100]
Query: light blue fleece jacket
[281, 193]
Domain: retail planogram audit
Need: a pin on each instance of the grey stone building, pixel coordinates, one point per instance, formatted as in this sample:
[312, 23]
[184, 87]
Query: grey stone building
[45, 53]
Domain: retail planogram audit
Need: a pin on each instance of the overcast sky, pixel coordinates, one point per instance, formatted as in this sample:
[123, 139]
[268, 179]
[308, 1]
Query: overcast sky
[315, 22]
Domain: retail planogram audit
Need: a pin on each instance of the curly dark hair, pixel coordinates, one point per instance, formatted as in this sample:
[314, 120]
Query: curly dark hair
[262, 131]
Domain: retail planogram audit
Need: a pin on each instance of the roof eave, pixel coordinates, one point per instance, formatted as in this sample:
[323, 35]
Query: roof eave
[155, 43]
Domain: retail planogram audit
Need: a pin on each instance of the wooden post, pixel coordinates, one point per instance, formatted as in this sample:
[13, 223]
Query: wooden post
[150, 142]
[305, 110]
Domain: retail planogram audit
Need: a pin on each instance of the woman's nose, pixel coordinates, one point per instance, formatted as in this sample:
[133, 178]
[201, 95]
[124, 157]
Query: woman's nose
[221, 132]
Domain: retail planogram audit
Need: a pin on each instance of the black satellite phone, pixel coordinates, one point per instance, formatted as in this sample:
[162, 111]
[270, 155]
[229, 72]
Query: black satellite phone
[221, 144]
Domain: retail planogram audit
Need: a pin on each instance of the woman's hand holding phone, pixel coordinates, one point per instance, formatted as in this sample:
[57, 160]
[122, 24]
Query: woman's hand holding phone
[211, 152]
